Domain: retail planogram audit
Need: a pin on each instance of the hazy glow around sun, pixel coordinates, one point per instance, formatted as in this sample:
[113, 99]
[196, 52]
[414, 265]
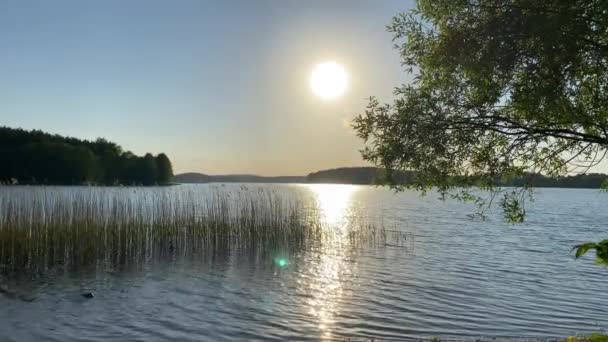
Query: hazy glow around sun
[329, 80]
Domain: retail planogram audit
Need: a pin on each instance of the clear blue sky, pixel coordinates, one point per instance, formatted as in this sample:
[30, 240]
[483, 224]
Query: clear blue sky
[220, 86]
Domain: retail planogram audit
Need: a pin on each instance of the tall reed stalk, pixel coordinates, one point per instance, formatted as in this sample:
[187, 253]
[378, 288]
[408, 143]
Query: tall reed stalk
[46, 227]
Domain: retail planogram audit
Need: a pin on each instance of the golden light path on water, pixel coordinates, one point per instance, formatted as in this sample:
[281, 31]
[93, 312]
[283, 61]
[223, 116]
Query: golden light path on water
[330, 268]
[333, 201]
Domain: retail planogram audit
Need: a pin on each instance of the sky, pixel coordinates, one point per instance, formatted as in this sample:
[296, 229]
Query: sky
[220, 86]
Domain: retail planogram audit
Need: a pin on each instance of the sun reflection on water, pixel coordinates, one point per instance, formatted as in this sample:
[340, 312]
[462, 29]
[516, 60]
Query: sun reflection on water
[333, 201]
[330, 268]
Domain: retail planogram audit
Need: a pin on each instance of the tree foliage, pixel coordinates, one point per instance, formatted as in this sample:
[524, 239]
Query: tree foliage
[163, 168]
[601, 250]
[35, 157]
[501, 88]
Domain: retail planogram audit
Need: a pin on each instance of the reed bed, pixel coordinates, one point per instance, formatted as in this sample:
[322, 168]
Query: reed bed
[48, 227]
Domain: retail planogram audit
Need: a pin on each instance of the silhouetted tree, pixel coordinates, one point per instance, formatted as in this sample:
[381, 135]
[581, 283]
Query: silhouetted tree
[146, 169]
[164, 170]
[501, 88]
[35, 157]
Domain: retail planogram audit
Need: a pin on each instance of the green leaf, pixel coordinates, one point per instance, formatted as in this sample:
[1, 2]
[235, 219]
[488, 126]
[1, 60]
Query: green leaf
[584, 248]
[604, 186]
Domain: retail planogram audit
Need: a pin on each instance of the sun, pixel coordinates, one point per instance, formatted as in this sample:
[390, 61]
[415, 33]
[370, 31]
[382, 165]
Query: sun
[329, 80]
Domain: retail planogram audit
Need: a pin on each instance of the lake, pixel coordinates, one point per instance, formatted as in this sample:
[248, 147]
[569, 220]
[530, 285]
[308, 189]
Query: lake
[437, 272]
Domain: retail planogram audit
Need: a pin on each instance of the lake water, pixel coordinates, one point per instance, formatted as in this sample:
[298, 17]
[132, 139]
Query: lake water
[454, 277]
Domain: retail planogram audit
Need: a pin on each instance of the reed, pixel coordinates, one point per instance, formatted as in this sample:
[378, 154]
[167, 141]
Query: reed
[48, 227]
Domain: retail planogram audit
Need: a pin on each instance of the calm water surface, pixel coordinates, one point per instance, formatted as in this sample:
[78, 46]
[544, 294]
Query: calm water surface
[453, 277]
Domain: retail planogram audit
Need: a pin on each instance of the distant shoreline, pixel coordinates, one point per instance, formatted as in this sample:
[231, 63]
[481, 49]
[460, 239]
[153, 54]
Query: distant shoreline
[369, 176]
[239, 182]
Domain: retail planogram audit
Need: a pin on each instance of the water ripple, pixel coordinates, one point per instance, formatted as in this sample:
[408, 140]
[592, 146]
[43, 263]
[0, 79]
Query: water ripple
[463, 278]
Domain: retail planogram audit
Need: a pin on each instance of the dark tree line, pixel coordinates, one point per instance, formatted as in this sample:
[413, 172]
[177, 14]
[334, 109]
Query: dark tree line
[373, 175]
[35, 157]
[353, 175]
[587, 181]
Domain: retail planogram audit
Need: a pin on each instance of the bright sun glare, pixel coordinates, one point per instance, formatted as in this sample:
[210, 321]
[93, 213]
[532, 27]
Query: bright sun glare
[334, 201]
[329, 80]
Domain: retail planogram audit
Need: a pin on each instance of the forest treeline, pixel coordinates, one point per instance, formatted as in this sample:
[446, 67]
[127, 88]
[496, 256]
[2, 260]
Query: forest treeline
[36, 157]
[353, 175]
[370, 175]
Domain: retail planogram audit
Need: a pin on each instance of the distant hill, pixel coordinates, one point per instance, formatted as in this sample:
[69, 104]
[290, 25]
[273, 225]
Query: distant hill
[203, 178]
[344, 175]
[191, 177]
[350, 175]
[587, 181]
[355, 175]
[368, 175]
